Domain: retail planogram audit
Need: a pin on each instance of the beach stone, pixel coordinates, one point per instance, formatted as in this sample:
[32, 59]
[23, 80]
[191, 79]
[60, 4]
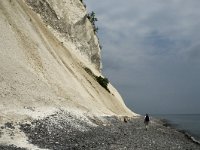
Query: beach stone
[117, 135]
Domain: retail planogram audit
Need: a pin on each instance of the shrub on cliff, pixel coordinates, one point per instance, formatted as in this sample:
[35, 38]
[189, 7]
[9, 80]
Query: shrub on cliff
[102, 81]
[89, 71]
[92, 18]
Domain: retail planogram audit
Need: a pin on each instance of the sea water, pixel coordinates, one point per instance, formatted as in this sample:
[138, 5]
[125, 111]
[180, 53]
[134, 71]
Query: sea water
[187, 122]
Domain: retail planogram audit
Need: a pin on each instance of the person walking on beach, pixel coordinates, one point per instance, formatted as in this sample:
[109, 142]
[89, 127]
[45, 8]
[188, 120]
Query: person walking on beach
[146, 121]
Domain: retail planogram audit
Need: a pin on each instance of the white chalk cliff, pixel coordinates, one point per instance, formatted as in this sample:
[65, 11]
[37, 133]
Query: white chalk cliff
[45, 46]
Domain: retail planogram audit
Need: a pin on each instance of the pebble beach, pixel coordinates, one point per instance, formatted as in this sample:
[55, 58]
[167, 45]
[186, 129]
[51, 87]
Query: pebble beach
[114, 135]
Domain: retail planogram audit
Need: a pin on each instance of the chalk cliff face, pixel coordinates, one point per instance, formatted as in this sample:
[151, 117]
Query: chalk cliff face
[45, 46]
[69, 19]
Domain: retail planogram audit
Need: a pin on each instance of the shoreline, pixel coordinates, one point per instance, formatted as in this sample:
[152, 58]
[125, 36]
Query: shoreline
[54, 132]
[117, 134]
[188, 134]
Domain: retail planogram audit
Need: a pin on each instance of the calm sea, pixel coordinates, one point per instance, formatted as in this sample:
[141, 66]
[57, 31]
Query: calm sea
[186, 122]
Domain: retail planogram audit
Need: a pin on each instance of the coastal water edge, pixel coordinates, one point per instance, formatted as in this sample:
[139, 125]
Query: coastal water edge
[188, 123]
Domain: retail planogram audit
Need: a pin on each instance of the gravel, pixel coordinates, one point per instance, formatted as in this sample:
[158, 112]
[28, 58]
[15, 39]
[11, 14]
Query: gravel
[10, 147]
[56, 133]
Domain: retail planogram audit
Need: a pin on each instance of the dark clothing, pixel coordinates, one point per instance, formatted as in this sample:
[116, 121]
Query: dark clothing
[146, 119]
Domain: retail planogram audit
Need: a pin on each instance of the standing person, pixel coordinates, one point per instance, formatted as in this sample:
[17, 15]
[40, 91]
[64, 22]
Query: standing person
[146, 121]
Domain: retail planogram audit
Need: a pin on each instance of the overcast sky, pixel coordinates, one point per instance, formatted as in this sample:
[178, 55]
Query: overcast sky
[151, 52]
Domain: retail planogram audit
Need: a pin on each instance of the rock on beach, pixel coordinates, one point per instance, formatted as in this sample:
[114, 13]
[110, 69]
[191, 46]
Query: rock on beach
[116, 134]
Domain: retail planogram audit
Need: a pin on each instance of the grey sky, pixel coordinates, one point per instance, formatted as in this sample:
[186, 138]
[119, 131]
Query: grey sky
[151, 52]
